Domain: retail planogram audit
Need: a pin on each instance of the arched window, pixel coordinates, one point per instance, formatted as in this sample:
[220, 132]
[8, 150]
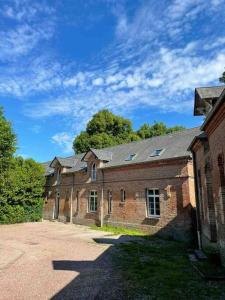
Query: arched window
[93, 172]
[109, 202]
[122, 195]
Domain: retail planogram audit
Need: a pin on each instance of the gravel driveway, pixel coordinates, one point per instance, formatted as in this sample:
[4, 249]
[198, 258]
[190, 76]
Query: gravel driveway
[51, 260]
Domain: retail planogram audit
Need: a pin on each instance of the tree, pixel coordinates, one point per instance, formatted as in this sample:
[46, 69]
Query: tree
[106, 129]
[103, 130]
[158, 128]
[21, 181]
[22, 193]
[222, 78]
[7, 142]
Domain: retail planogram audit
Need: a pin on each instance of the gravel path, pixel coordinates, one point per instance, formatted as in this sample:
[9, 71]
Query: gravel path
[51, 260]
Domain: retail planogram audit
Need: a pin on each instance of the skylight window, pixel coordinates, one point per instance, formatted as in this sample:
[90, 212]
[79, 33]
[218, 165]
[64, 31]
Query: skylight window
[157, 152]
[131, 157]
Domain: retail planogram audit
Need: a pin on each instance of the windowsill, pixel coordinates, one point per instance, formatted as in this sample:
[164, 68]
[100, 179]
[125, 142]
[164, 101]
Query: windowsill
[153, 217]
[92, 212]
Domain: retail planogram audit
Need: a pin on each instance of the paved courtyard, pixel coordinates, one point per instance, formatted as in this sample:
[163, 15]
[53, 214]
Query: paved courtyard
[51, 260]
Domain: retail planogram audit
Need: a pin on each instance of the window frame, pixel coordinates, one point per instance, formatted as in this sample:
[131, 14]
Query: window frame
[78, 199]
[122, 195]
[131, 157]
[93, 171]
[110, 198]
[93, 197]
[154, 152]
[155, 197]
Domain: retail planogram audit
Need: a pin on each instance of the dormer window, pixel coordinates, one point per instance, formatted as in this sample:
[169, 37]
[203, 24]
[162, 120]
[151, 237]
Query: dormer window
[131, 157]
[93, 172]
[157, 152]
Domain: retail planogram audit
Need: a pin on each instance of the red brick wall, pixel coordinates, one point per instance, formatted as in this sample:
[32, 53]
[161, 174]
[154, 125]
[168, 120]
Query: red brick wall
[173, 178]
[216, 136]
[215, 131]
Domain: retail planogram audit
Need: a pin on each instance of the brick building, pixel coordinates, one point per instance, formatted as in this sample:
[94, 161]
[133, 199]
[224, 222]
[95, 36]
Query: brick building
[208, 152]
[147, 185]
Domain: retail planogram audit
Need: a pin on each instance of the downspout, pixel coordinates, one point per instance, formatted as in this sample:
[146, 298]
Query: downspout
[102, 201]
[71, 202]
[197, 202]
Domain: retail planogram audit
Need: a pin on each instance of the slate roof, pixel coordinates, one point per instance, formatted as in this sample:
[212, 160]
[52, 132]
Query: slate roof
[204, 97]
[215, 108]
[175, 145]
[101, 154]
[48, 169]
[210, 92]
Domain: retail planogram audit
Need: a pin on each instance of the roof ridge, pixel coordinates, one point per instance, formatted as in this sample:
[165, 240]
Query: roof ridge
[76, 156]
[153, 137]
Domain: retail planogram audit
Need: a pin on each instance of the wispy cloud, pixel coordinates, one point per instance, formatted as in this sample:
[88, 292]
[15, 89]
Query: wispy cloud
[64, 140]
[154, 61]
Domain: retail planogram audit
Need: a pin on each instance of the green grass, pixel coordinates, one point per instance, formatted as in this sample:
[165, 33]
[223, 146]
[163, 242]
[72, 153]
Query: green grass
[160, 269]
[119, 230]
[155, 268]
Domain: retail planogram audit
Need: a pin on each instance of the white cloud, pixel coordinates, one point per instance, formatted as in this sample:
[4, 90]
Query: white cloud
[63, 140]
[32, 25]
[152, 63]
[98, 81]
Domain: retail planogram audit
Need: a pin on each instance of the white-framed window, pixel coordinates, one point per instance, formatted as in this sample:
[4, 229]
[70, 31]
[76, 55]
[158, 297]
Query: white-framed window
[93, 172]
[93, 201]
[109, 202]
[122, 195]
[153, 203]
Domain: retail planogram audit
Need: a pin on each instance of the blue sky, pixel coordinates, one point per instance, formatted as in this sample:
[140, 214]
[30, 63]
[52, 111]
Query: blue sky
[62, 61]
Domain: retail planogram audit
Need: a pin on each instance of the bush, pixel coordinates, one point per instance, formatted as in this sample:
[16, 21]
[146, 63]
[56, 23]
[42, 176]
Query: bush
[21, 192]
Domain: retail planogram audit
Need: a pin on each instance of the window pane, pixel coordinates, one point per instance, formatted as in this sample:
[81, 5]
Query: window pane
[150, 192]
[156, 192]
[152, 211]
[122, 195]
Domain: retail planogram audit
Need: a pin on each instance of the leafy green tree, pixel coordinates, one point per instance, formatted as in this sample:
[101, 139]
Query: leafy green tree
[158, 128]
[21, 181]
[22, 192]
[106, 129]
[222, 78]
[103, 130]
[7, 142]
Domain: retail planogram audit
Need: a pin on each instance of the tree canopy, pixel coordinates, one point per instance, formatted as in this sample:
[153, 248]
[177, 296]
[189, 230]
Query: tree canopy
[7, 141]
[106, 129]
[21, 181]
[158, 128]
[222, 78]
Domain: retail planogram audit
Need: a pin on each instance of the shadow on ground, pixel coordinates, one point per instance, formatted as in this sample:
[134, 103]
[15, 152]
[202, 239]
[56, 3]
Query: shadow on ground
[97, 279]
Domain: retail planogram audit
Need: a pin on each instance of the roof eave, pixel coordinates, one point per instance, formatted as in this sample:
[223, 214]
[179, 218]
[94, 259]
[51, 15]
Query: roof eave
[150, 161]
[213, 111]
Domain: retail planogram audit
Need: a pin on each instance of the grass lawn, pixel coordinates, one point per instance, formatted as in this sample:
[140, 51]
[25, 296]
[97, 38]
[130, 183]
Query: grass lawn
[159, 269]
[119, 230]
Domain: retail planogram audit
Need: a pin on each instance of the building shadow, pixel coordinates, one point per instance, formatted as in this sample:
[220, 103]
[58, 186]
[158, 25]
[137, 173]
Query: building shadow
[99, 279]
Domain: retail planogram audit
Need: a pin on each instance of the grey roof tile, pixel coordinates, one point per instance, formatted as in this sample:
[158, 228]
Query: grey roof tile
[175, 145]
[210, 92]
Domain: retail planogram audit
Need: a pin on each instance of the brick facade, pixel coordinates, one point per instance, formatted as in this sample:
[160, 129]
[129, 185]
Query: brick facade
[209, 153]
[172, 177]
